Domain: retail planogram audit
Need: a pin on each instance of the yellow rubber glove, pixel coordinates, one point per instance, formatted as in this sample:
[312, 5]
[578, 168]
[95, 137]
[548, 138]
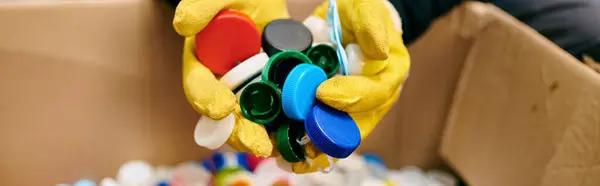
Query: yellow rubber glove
[204, 92]
[368, 97]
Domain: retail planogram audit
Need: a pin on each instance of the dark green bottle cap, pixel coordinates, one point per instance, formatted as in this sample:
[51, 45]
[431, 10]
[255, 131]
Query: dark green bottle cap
[260, 102]
[287, 137]
[325, 57]
[281, 64]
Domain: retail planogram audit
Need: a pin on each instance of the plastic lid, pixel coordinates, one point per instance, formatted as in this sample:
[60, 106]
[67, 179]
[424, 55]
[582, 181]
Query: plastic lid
[212, 134]
[229, 38]
[281, 64]
[254, 161]
[208, 166]
[285, 34]
[324, 56]
[260, 102]
[186, 174]
[242, 160]
[108, 182]
[286, 140]
[84, 183]
[318, 27]
[334, 132]
[300, 89]
[373, 159]
[238, 91]
[218, 160]
[135, 173]
[245, 72]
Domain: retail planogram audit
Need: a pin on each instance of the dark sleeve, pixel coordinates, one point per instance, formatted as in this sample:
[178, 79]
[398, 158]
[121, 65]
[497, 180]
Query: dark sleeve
[417, 15]
[574, 25]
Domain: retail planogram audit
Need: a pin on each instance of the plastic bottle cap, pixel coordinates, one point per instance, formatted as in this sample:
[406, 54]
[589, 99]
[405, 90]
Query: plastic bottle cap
[218, 160]
[245, 72]
[209, 166]
[318, 27]
[373, 159]
[254, 161]
[267, 173]
[334, 132]
[242, 160]
[135, 173]
[260, 102]
[84, 183]
[229, 38]
[280, 65]
[108, 182]
[238, 91]
[286, 140]
[325, 57]
[212, 134]
[187, 174]
[285, 34]
[300, 89]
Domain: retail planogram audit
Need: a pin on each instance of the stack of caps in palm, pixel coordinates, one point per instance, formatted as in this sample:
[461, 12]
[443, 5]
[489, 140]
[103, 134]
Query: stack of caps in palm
[275, 88]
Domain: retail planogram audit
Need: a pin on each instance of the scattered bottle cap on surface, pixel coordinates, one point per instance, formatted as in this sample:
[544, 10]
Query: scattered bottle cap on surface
[324, 56]
[245, 72]
[443, 177]
[229, 38]
[300, 89]
[84, 183]
[108, 182]
[285, 34]
[212, 134]
[286, 140]
[318, 27]
[332, 131]
[243, 160]
[189, 174]
[281, 64]
[135, 172]
[260, 102]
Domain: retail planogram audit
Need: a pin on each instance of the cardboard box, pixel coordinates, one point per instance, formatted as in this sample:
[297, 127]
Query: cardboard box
[89, 85]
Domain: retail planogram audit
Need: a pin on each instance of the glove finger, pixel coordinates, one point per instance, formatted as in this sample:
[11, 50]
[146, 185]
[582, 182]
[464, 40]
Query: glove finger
[250, 137]
[364, 22]
[191, 16]
[367, 121]
[359, 93]
[207, 96]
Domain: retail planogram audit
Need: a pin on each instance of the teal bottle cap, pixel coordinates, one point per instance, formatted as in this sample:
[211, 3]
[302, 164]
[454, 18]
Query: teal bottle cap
[287, 137]
[260, 102]
[324, 56]
[279, 66]
[300, 89]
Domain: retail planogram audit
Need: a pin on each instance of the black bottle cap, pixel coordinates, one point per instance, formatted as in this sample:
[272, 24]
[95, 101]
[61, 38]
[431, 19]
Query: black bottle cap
[286, 34]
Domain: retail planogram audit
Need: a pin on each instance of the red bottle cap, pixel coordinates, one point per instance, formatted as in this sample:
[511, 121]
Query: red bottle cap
[229, 38]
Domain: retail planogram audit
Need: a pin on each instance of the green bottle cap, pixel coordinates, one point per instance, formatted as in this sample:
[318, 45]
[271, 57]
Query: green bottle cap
[260, 102]
[281, 64]
[325, 57]
[288, 135]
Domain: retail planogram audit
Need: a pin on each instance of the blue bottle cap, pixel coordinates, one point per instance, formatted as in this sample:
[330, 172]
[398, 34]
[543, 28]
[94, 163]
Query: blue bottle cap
[84, 183]
[333, 132]
[163, 183]
[242, 160]
[219, 160]
[300, 89]
[208, 166]
[372, 158]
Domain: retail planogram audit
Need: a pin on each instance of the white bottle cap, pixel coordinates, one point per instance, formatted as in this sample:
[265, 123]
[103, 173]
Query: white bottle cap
[267, 172]
[190, 174]
[244, 71]
[135, 173]
[108, 182]
[445, 178]
[369, 181]
[356, 59]
[212, 134]
[318, 27]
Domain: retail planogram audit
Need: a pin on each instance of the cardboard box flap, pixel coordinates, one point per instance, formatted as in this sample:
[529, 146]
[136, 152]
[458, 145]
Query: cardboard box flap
[525, 113]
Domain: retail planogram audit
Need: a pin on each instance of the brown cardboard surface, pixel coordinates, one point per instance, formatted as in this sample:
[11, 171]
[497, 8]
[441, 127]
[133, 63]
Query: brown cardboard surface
[86, 86]
[526, 113]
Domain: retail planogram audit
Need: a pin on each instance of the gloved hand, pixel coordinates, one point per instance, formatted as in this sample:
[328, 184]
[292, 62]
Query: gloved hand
[368, 97]
[204, 92]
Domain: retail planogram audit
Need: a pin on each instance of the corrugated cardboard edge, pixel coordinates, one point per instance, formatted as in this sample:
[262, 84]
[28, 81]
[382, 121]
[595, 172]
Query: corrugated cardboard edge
[538, 122]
